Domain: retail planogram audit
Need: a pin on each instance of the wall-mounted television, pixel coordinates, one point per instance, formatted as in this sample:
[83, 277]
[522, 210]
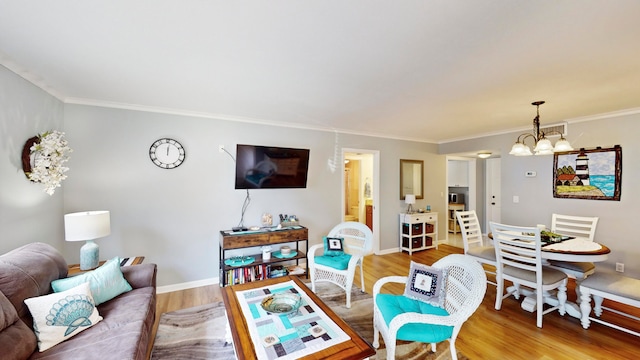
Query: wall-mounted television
[270, 167]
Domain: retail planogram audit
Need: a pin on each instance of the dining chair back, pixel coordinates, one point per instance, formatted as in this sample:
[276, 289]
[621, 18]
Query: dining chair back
[357, 242]
[399, 317]
[519, 260]
[577, 226]
[474, 243]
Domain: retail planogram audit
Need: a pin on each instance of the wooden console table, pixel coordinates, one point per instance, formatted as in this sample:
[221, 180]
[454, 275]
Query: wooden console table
[258, 268]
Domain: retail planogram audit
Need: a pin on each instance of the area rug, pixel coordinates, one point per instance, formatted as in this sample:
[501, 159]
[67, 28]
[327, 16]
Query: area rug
[199, 332]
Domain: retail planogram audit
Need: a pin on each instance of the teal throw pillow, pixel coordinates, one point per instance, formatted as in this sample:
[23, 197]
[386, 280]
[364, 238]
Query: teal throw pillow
[333, 246]
[106, 282]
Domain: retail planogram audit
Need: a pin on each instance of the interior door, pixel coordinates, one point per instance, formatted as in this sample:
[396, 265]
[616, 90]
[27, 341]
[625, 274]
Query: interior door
[368, 190]
[493, 199]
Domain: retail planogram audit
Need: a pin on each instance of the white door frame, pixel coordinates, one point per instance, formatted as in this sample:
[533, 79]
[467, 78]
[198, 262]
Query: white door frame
[375, 192]
[471, 201]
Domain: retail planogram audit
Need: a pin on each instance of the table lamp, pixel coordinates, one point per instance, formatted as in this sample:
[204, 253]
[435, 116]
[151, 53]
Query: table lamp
[410, 199]
[87, 225]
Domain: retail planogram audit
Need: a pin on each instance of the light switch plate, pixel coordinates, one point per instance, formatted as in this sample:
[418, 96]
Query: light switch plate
[530, 174]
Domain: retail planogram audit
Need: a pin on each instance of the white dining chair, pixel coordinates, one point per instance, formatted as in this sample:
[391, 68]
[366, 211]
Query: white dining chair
[519, 260]
[576, 226]
[474, 242]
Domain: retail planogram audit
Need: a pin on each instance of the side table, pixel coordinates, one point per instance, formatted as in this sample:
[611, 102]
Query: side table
[74, 269]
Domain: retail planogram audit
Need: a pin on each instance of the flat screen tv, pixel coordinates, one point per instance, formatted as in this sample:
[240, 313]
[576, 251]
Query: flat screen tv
[269, 167]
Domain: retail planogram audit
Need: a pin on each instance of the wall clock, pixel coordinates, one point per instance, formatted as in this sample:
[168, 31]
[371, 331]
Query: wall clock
[167, 153]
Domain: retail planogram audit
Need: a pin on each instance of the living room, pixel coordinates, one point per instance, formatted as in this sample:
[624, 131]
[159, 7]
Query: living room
[173, 217]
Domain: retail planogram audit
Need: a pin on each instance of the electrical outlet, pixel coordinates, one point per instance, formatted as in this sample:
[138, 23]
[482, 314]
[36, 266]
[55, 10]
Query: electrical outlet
[221, 148]
[619, 267]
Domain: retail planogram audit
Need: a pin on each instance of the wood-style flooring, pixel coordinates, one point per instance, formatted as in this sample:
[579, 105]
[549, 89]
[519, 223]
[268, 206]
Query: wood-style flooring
[510, 333]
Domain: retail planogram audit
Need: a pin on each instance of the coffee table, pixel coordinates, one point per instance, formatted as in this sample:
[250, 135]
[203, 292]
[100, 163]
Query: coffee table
[354, 348]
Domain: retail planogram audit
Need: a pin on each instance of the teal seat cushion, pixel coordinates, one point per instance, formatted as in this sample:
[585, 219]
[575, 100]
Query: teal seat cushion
[340, 262]
[106, 282]
[393, 305]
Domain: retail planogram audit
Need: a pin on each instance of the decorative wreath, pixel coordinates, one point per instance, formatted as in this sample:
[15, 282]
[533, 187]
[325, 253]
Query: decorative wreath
[43, 159]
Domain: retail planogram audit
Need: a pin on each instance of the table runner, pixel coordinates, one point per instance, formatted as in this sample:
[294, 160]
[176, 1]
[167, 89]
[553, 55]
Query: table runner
[294, 339]
[577, 244]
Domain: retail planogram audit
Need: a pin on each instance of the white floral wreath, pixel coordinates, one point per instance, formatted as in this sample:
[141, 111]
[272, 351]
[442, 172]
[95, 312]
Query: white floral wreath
[44, 163]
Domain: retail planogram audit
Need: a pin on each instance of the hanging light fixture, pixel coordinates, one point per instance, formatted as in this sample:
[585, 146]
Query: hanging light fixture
[543, 145]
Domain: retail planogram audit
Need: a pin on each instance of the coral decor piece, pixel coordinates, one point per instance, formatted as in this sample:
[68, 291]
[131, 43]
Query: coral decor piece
[43, 159]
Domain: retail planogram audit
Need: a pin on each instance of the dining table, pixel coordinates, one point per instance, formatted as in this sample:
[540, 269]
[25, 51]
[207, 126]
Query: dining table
[575, 249]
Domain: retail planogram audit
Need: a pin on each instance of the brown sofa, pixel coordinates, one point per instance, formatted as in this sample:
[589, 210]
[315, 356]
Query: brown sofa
[124, 332]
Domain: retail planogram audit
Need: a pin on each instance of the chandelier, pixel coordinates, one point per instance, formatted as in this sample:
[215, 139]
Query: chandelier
[542, 144]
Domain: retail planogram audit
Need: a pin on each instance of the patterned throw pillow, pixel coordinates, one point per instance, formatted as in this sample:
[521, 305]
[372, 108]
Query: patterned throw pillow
[60, 316]
[426, 283]
[333, 246]
[106, 281]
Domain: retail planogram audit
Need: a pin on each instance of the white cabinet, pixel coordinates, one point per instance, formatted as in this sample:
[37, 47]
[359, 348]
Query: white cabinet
[458, 173]
[418, 231]
[452, 221]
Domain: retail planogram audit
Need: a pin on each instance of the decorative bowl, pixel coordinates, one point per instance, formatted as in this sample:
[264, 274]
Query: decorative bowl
[283, 303]
[285, 250]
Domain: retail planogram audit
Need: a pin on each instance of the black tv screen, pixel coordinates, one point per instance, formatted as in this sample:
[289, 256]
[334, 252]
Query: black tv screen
[268, 167]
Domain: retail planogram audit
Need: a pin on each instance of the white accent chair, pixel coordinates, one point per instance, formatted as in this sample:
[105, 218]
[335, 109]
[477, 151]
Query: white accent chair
[577, 226]
[519, 260]
[358, 242]
[473, 241]
[466, 284]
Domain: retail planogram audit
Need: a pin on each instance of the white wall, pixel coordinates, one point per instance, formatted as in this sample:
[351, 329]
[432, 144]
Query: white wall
[27, 213]
[173, 217]
[616, 227]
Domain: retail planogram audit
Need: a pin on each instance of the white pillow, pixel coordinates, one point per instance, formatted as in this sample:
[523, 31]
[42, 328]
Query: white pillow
[60, 316]
[426, 283]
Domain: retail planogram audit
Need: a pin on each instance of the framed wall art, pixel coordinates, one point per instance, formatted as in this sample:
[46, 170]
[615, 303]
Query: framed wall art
[594, 174]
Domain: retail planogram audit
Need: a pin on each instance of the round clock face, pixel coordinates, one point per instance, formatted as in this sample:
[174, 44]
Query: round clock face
[167, 153]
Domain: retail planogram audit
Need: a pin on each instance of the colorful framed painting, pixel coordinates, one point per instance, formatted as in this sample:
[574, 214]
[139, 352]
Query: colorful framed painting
[594, 174]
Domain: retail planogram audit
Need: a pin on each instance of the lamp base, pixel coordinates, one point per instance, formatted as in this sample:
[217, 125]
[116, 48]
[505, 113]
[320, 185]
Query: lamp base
[89, 255]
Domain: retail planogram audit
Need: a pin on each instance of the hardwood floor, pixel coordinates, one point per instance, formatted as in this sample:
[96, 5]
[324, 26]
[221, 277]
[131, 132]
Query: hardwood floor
[510, 333]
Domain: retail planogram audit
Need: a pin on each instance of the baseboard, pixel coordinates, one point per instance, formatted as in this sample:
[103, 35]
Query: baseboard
[388, 251]
[187, 285]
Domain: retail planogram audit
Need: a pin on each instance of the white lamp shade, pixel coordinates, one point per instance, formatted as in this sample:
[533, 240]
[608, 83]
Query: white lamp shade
[410, 199]
[520, 149]
[543, 146]
[87, 225]
[562, 145]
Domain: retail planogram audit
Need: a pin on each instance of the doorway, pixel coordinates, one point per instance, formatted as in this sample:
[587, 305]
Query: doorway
[462, 193]
[493, 198]
[360, 194]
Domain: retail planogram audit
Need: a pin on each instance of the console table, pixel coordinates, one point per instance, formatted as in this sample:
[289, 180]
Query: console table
[258, 268]
[418, 231]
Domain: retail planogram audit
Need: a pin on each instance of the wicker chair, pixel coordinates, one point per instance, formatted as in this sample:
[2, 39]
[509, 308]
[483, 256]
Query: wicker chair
[357, 243]
[466, 284]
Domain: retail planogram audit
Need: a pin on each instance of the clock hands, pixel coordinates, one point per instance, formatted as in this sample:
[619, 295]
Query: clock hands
[168, 149]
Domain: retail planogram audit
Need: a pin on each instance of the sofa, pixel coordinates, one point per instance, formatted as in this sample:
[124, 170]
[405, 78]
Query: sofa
[127, 319]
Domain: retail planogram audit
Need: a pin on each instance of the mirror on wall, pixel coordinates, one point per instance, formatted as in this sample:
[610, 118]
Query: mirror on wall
[411, 182]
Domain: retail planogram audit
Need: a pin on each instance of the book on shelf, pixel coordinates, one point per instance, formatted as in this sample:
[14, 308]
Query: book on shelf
[277, 271]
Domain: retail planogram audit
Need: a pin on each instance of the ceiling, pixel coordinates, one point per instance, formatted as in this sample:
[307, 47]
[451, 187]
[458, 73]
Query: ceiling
[436, 71]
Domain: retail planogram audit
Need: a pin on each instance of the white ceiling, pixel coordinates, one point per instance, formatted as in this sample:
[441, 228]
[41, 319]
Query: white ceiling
[435, 70]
